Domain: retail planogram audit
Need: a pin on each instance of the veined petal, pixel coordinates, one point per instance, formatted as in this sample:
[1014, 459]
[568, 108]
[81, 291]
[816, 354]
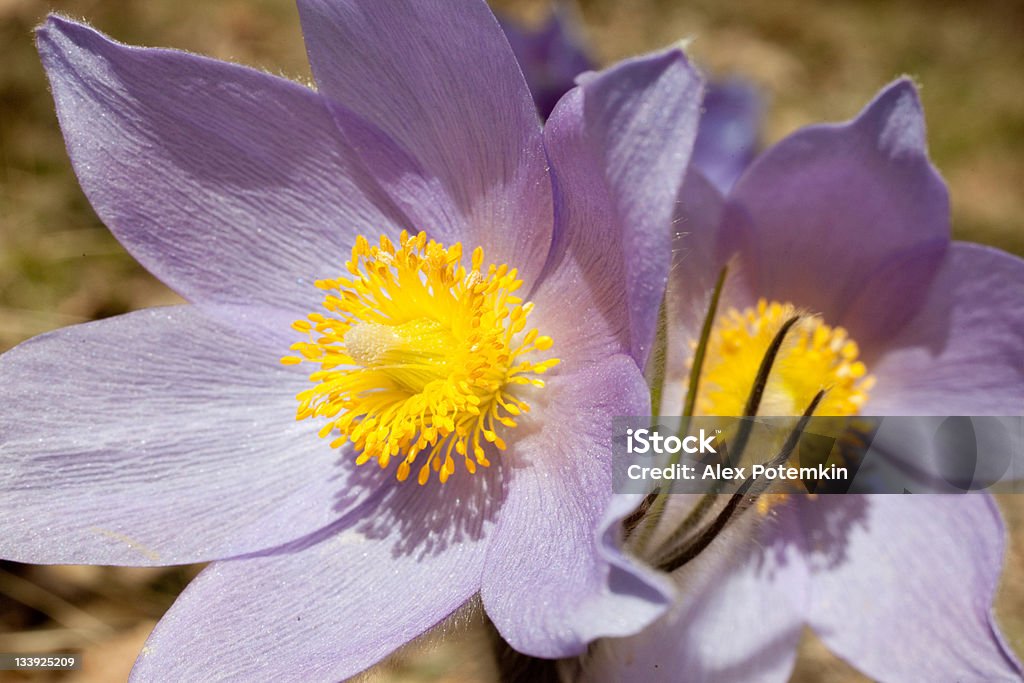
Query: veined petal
[619, 146]
[229, 184]
[822, 210]
[583, 588]
[963, 353]
[905, 592]
[159, 437]
[329, 607]
[440, 81]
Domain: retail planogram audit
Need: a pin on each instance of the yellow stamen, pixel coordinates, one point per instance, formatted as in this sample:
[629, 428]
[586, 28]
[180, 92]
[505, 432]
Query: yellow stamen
[417, 354]
[767, 502]
[813, 357]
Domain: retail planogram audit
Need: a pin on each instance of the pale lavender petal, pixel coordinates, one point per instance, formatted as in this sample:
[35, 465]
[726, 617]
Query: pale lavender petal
[551, 56]
[439, 80]
[825, 208]
[738, 617]
[330, 607]
[903, 585]
[550, 584]
[727, 138]
[160, 437]
[963, 354]
[229, 184]
[619, 146]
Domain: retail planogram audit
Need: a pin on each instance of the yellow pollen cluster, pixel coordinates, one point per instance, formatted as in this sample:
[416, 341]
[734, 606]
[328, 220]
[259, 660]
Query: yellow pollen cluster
[813, 357]
[418, 355]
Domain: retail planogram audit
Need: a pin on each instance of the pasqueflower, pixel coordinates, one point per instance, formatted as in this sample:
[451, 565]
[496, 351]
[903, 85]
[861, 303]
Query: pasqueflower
[728, 136]
[847, 225]
[553, 54]
[462, 381]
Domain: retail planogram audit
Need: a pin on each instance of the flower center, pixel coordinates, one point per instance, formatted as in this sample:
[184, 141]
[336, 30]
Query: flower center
[814, 356]
[418, 355]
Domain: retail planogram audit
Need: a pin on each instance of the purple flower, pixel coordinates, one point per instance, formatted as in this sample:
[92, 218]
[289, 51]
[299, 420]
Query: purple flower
[551, 56]
[170, 435]
[554, 54]
[850, 224]
[728, 136]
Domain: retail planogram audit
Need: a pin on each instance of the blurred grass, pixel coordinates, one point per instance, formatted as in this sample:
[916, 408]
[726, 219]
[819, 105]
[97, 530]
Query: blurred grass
[814, 61]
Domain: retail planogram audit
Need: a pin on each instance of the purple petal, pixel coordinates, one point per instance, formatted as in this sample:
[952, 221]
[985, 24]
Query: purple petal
[550, 56]
[963, 354]
[329, 608]
[439, 80]
[619, 146]
[229, 184]
[821, 211]
[903, 585]
[738, 618]
[727, 138]
[550, 586]
[160, 437]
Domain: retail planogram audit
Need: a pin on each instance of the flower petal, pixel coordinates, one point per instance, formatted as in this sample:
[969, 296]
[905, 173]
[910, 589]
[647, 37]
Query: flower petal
[963, 354]
[551, 55]
[550, 585]
[738, 618]
[728, 135]
[439, 80]
[159, 437]
[821, 211]
[619, 146]
[328, 608]
[229, 184]
[903, 585]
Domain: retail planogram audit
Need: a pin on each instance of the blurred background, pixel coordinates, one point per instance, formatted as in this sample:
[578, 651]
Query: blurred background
[811, 62]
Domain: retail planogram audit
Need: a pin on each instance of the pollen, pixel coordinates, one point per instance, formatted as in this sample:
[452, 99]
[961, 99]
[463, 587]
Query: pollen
[419, 358]
[813, 357]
